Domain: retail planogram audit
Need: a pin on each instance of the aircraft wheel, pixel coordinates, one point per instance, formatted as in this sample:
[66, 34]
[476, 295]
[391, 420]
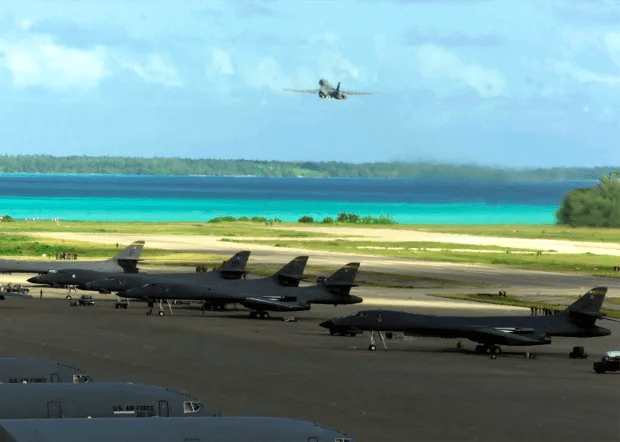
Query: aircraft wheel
[161, 313]
[125, 306]
[372, 347]
[148, 313]
[496, 349]
[459, 345]
[116, 306]
[69, 297]
[253, 314]
[389, 335]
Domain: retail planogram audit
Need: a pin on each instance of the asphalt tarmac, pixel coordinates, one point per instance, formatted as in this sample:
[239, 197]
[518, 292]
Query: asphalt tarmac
[417, 390]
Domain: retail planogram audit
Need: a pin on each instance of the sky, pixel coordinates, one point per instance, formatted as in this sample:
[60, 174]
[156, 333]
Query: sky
[514, 83]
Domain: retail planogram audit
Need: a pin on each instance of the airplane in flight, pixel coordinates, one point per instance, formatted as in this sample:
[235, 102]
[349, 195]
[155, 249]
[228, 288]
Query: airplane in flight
[279, 292]
[577, 320]
[95, 400]
[37, 371]
[327, 91]
[204, 429]
[126, 261]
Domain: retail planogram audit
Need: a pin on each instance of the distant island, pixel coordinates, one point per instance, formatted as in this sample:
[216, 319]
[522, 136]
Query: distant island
[281, 169]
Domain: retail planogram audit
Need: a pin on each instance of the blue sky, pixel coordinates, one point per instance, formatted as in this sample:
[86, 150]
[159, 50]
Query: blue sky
[509, 83]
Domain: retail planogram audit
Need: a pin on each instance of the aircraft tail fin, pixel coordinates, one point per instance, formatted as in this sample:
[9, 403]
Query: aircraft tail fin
[338, 88]
[588, 307]
[234, 268]
[128, 257]
[292, 273]
[341, 282]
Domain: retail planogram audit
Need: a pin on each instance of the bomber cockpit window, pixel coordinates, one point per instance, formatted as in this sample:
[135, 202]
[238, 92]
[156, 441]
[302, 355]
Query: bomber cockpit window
[190, 407]
[80, 378]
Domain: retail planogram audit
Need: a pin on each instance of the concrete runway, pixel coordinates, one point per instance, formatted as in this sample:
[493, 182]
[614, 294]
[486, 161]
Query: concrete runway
[418, 390]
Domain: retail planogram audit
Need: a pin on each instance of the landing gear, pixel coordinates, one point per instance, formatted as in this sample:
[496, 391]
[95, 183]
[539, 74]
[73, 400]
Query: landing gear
[488, 349]
[121, 305]
[259, 315]
[68, 297]
[161, 307]
[459, 345]
[372, 346]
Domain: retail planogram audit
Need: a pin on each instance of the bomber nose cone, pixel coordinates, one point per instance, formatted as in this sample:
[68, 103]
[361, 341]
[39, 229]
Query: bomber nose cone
[356, 299]
[327, 324]
[34, 280]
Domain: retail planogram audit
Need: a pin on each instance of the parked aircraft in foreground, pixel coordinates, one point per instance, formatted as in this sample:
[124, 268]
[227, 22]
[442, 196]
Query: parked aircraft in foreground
[328, 91]
[95, 399]
[577, 320]
[37, 371]
[273, 293]
[205, 429]
[125, 261]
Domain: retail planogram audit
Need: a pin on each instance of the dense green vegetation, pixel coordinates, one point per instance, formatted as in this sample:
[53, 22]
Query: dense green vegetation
[317, 169]
[597, 206]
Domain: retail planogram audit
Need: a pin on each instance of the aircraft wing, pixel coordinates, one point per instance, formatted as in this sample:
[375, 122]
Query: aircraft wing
[303, 91]
[358, 93]
[507, 336]
[274, 303]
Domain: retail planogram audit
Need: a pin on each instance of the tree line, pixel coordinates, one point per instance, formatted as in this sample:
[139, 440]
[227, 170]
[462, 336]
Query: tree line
[597, 206]
[281, 169]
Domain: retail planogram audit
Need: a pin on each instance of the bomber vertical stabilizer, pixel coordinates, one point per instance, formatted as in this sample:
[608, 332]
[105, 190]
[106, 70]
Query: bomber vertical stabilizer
[292, 273]
[128, 257]
[234, 268]
[341, 282]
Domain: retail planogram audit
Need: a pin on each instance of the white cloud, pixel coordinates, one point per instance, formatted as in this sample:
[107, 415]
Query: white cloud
[38, 62]
[583, 75]
[436, 62]
[335, 67]
[154, 70]
[221, 62]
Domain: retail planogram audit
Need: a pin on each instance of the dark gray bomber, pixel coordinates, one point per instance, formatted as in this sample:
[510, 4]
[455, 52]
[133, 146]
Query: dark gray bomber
[577, 320]
[220, 429]
[279, 292]
[125, 261]
[38, 371]
[95, 400]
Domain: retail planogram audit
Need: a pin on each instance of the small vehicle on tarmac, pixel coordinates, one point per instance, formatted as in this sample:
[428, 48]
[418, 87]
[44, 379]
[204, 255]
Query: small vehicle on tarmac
[609, 362]
[84, 300]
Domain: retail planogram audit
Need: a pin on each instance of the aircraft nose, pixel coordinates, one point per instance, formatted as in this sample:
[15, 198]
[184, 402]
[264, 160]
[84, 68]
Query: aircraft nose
[356, 299]
[327, 324]
[34, 280]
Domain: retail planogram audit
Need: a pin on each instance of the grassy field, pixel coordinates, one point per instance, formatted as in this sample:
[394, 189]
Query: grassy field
[276, 235]
[516, 302]
[256, 228]
[588, 264]
[228, 229]
[29, 247]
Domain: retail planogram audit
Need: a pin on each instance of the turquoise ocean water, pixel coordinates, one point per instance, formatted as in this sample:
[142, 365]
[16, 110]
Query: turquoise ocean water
[134, 209]
[200, 199]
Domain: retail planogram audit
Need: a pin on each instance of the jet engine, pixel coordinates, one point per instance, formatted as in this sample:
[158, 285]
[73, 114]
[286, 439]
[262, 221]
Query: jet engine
[341, 97]
[323, 95]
